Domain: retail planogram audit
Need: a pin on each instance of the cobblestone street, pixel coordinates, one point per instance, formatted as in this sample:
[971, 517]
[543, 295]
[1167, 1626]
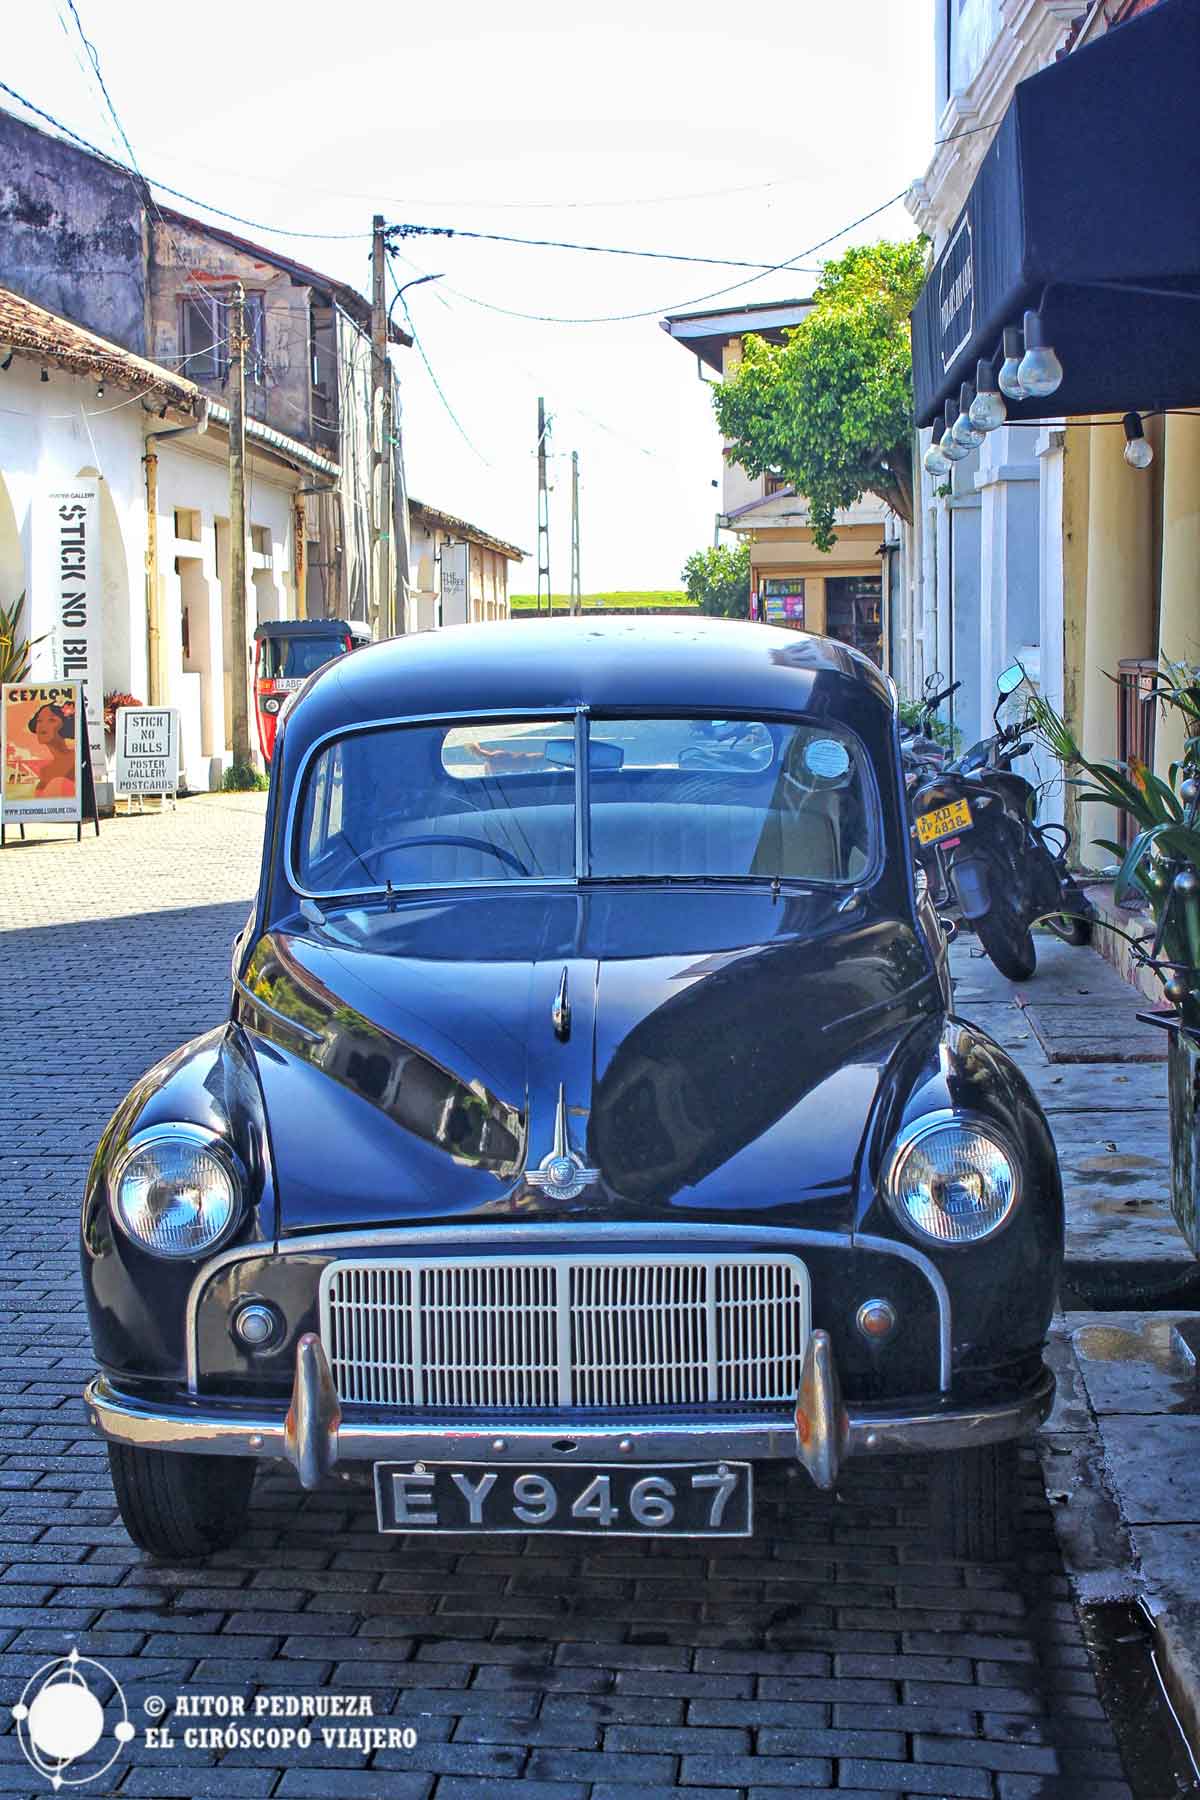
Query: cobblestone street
[836, 1651]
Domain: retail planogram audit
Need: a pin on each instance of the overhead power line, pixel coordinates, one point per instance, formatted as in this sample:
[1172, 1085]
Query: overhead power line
[164, 187]
[496, 237]
[420, 348]
[651, 312]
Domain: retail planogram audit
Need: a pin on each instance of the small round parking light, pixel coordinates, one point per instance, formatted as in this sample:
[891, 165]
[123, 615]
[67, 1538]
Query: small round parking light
[876, 1320]
[257, 1325]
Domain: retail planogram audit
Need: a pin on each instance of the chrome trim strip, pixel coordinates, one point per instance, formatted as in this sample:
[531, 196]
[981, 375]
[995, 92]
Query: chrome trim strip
[575, 1234]
[273, 1012]
[123, 1420]
[583, 795]
[909, 1254]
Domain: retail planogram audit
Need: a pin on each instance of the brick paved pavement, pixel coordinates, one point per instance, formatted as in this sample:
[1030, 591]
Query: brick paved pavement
[835, 1652]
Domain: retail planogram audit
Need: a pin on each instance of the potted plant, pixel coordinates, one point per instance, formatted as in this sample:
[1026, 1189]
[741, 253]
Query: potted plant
[1162, 865]
[14, 649]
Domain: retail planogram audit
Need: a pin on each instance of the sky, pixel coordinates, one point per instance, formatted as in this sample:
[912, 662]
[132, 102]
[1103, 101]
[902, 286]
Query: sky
[699, 131]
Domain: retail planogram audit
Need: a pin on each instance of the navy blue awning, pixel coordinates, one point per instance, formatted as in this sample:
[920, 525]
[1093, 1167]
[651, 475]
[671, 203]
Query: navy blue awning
[1089, 192]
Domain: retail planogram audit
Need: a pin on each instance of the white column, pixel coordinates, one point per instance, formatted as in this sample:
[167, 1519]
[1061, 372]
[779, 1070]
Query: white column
[1050, 598]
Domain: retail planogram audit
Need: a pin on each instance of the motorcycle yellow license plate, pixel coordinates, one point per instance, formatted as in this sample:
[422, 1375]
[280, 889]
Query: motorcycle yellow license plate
[942, 821]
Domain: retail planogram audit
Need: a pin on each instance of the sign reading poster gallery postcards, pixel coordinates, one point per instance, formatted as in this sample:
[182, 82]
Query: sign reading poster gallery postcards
[45, 759]
[147, 752]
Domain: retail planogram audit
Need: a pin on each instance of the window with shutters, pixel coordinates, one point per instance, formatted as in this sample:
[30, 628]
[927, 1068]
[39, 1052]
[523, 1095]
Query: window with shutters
[204, 335]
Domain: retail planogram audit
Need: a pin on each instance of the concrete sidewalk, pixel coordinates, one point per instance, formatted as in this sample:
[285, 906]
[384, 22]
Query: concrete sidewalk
[1121, 1451]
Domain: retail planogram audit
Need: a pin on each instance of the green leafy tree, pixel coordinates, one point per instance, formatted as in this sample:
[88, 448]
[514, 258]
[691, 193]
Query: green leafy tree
[831, 410]
[718, 579]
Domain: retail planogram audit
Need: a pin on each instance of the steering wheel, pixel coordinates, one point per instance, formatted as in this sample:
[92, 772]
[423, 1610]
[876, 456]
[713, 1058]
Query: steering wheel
[465, 843]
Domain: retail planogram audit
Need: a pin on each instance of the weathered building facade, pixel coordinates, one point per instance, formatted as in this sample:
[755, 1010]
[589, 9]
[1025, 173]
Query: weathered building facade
[84, 238]
[146, 453]
[459, 571]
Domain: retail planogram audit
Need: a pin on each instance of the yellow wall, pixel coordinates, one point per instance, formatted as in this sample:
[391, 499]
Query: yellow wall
[790, 554]
[1131, 571]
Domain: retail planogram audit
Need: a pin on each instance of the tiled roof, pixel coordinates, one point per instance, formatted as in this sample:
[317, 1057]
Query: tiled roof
[45, 336]
[433, 515]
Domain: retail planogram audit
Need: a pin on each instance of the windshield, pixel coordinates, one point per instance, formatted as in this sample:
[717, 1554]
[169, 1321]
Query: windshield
[668, 798]
[294, 658]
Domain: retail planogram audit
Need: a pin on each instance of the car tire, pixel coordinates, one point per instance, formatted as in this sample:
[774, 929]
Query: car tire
[177, 1505]
[1007, 941]
[975, 1501]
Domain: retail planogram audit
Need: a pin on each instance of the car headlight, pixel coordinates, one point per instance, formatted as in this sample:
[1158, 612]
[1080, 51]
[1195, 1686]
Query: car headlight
[176, 1190]
[951, 1180]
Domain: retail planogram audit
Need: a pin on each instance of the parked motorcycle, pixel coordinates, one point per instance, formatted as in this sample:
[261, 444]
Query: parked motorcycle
[982, 849]
[921, 753]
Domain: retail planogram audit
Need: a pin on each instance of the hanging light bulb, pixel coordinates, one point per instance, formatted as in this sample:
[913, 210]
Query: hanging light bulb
[937, 463]
[950, 445]
[1039, 372]
[1009, 380]
[1138, 453]
[964, 432]
[988, 410]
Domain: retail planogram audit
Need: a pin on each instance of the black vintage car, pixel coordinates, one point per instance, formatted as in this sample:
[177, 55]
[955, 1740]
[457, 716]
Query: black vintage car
[591, 1121]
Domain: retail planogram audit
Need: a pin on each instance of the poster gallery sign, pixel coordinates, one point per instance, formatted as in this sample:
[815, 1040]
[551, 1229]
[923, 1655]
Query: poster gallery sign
[41, 745]
[147, 750]
[69, 538]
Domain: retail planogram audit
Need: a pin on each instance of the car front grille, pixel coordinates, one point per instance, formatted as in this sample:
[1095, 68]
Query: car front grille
[591, 1333]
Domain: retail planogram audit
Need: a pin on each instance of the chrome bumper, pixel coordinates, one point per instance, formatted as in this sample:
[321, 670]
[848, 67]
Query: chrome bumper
[315, 1437]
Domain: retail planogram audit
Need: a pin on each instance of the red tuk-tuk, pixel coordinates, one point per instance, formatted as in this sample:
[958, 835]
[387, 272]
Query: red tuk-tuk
[286, 653]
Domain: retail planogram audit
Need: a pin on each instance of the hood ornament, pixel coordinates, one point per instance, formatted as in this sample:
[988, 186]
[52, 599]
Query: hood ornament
[562, 1174]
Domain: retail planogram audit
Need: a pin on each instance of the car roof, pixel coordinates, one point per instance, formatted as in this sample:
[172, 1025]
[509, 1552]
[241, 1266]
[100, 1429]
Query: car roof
[539, 665]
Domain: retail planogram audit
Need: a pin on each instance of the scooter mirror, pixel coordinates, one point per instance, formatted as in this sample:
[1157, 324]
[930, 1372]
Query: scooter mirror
[1010, 679]
[933, 682]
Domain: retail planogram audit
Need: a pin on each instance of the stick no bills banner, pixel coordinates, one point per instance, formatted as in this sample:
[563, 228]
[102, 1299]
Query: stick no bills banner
[70, 595]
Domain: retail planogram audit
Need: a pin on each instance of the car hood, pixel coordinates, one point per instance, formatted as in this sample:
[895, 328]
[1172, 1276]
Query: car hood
[719, 1056]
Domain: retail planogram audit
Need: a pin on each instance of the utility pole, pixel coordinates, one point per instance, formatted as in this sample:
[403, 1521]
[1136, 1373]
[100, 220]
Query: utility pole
[576, 598]
[543, 528]
[382, 599]
[238, 534]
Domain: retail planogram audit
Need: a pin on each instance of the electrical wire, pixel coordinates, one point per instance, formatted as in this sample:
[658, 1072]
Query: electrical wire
[455, 420]
[651, 312]
[495, 237]
[163, 187]
[133, 174]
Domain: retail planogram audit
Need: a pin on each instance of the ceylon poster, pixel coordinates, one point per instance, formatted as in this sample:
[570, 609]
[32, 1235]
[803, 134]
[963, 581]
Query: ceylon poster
[40, 737]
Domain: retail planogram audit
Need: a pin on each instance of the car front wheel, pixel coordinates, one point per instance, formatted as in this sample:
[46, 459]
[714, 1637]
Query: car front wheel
[177, 1505]
[975, 1501]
